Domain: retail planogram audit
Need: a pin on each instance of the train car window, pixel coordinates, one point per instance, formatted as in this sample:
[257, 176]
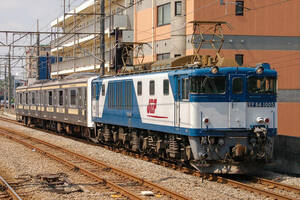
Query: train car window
[26, 98]
[72, 97]
[33, 98]
[103, 90]
[185, 88]
[208, 84]
[61, 98]
[262, 85]
[42, 98]
[50, 98]
[152, 88]
[37, 97]
[128, 95]
[20, 98]
[139, 88]
[166, 87]
[237, 85]
[85, 97]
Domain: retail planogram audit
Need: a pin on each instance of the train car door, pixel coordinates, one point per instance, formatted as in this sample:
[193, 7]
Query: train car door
[177, 101]
[237, 101]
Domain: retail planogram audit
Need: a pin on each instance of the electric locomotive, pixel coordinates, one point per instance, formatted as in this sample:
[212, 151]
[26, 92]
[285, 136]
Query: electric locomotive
[219, 120]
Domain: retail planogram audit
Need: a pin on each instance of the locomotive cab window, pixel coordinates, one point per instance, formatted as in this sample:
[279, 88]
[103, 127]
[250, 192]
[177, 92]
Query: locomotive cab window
[72, 97]
[208, 84]
[152, 88]
[166, 87]
[237, 85]
[50, 98]
[139, 88]
[261, 85]
[94, 91]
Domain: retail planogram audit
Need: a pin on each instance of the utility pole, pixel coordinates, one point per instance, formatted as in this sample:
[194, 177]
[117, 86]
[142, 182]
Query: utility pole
[102, 40]
[9, 80]
[37, 51]
[5, 86]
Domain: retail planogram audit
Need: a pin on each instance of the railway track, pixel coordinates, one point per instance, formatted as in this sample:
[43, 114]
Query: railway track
[256, 185]
[126, 184]
[6, 191]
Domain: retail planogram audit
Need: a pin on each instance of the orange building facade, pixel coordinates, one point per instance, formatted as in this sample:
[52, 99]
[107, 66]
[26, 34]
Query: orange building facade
[258, 31]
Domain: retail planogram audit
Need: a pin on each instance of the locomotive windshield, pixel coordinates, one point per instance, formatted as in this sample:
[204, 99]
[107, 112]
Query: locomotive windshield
[261, 85]
[208, 84]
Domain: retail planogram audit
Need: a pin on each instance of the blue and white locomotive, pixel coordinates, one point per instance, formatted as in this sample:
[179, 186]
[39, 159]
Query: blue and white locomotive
[220, 120]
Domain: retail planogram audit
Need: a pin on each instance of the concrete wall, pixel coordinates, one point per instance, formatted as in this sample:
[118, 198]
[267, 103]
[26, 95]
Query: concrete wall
[287, 155]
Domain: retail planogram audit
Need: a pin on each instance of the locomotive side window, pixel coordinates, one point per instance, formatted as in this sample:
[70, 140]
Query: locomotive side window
[237, 85]
[152, 88]
[42, 98]
[94, 91]
[72, 97]
[60, 98]
[208, 85]
[166, 87]
[37, 97]
[50, 98]
[139, 88]
[103, 90]
[185, 88]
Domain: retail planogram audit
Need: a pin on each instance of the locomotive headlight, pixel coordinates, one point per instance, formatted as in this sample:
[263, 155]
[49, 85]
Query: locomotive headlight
[260, 120]
[259, 70]
[267, 120]
[206, 120]
[214, 70]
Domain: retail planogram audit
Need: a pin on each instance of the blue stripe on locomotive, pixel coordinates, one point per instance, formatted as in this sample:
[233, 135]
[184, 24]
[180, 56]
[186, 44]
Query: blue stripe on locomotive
[132, 118]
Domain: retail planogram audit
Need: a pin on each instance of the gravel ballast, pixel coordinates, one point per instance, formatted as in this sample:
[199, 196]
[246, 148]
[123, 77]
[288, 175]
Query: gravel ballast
[188, 185]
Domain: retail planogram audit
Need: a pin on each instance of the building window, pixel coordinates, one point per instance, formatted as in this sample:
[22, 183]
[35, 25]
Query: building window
[166, 87]
[163, 14]
[152, 88]
[139, 88]
[50, 98]
[177, 55]
[60, 98]
[163, 56]
[178, 8]
[103, 90]
[73, 97]
[239, 8]
[239, 58]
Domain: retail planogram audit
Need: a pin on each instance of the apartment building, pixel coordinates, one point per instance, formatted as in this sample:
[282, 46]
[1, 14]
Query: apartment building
[257, 31]
[81, 52]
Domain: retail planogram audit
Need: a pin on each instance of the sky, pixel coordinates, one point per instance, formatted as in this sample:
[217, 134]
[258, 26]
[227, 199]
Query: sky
[22, 15]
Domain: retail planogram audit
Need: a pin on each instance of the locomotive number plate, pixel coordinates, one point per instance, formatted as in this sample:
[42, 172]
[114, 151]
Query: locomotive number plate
[261, 104]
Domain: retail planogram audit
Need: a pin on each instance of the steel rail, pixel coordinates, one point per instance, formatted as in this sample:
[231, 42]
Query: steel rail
[237, 183]
[146, 183]
[253, 189]
[278, 185]
[11, 191]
